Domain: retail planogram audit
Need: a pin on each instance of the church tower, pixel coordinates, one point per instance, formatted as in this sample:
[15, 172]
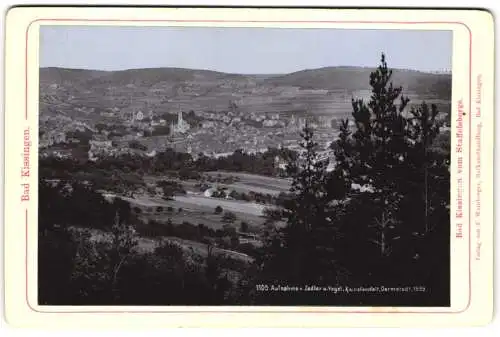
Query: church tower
[180, 122]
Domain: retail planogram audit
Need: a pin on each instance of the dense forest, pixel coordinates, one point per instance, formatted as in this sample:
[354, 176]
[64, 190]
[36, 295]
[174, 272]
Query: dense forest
[393, 233]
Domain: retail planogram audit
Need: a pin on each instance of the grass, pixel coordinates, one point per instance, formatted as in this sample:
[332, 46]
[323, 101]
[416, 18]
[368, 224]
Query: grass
[148, 245]
[197, 209]
[254, 182]
[196, 213]
[241, 207]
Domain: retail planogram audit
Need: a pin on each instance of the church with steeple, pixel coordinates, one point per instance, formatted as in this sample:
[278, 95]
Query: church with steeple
[181, 127]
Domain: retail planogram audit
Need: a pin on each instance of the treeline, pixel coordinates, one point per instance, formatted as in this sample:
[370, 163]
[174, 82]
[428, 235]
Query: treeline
[225, 237]
[68, 204]
[394, 234]
[167, 161]
[75, 267]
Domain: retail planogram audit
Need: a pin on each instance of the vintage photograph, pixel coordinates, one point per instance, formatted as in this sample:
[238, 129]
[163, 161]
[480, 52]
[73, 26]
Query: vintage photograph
[224, 166]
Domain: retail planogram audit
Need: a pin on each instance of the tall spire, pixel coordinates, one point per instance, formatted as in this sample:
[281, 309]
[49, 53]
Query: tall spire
[179, 117]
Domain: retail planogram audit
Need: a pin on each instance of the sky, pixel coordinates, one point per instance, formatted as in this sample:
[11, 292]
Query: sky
[241, 50]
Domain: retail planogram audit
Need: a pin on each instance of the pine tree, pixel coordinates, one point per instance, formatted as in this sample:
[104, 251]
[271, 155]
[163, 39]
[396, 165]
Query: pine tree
[303, 252]
[422, 131]
[425, 210]
[372, 159]
[398, 189]
[340, 180]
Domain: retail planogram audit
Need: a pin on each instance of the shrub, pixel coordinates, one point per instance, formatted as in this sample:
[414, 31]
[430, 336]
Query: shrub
[229, 230]
[229, 217]
[244, 226]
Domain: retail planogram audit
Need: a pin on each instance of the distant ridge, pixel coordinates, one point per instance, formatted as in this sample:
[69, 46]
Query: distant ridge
[357, 78]
[325, 90]
[347, 67]
[350, 78]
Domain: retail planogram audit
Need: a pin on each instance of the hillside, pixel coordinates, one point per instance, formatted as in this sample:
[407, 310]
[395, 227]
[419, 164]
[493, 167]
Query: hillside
[320, 91]
[153, 76]
[356, 78]
[64, 75]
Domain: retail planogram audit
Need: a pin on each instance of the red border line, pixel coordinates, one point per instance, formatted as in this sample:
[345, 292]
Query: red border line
[273, 21]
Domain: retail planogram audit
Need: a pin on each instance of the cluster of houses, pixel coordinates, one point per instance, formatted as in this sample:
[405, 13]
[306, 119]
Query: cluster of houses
[99, 146]
[56, 132]
[217, 134]
[52, 138]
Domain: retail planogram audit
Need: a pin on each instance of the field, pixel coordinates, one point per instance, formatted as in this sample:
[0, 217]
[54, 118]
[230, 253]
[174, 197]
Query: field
[253, 182]
[244, 182]
[198, 209]
[200, 202]
[195, 208]
[147, 245]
